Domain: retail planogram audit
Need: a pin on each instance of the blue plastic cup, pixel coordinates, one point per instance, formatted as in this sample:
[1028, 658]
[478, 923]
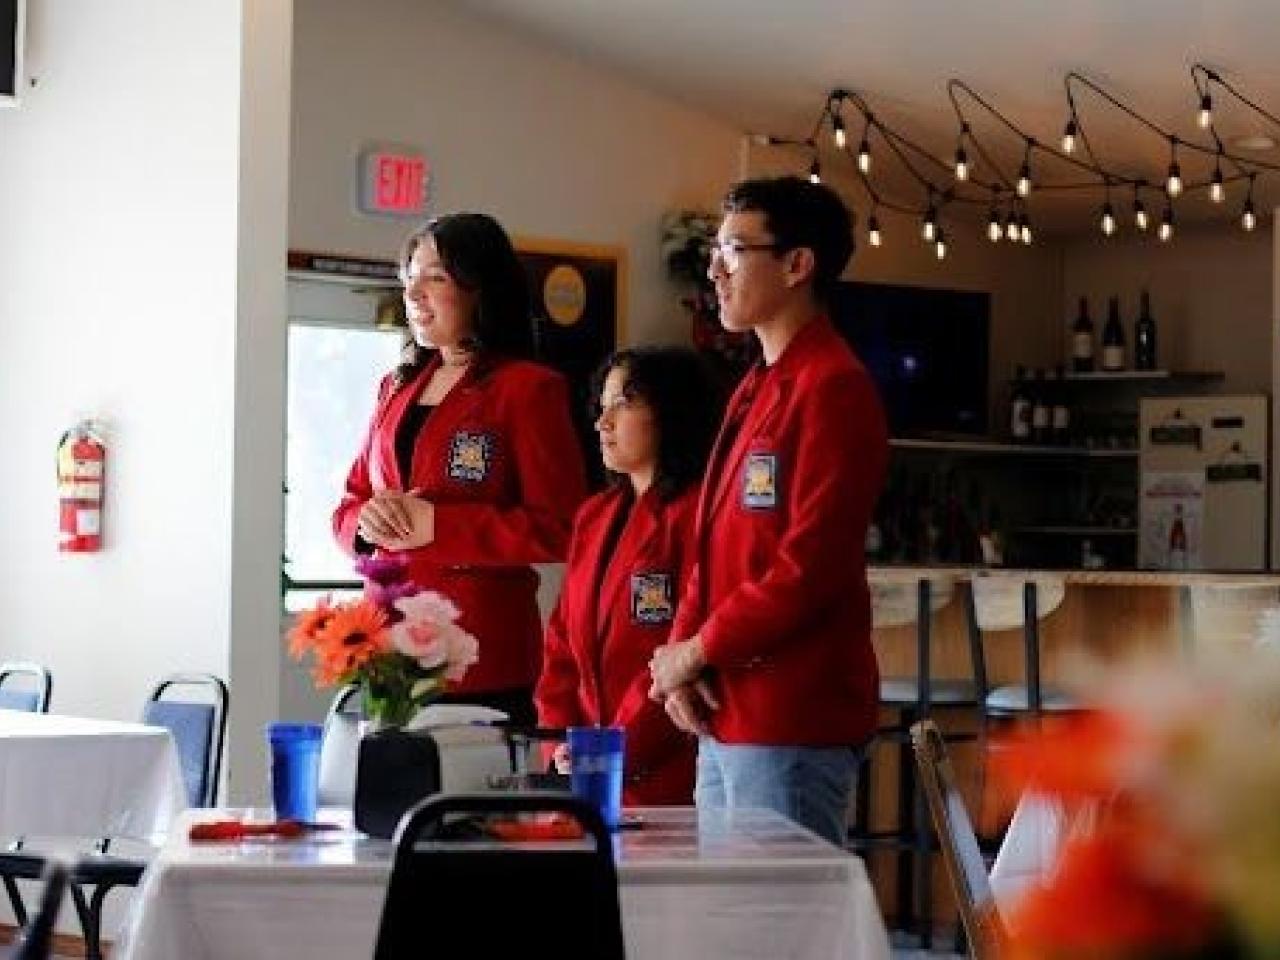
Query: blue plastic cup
[595, 759]
[295, 769]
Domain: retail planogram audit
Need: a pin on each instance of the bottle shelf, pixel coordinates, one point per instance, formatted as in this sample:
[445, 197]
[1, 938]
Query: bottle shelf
[999, 448]
[1141, 376]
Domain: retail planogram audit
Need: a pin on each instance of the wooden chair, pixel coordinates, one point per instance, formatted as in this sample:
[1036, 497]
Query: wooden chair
[965, 866]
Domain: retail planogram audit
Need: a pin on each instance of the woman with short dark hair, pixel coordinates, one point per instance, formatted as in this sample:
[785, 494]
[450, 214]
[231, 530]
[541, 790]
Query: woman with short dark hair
[657, 414]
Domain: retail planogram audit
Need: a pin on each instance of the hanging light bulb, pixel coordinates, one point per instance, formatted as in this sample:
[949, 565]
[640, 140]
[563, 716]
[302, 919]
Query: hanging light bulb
[837, 131]
[1140, 218]
[1108, 219]
[929, 229]
[873, 231]
[940, 245]
[1248, 219]
[1069, 136]
[1024, 179]
[994, 232]
[1173, 185]
[815, 171]
[962, 164]
[1206, 111]
[1166, 224]
[1026, 231]
[1217, 190]
[1012, 230]
[864, 156]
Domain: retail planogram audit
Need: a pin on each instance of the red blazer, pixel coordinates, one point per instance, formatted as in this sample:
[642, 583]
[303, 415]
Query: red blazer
[779, 591]
[501, 462]
[598, 643]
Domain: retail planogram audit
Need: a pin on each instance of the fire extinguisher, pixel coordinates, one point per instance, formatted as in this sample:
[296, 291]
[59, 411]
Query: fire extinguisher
[82, 461]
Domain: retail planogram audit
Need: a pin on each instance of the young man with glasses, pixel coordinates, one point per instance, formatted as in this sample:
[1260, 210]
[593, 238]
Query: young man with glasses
[770, 662]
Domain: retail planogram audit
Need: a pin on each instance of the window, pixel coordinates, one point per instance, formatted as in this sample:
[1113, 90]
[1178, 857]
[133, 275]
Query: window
[334, 370]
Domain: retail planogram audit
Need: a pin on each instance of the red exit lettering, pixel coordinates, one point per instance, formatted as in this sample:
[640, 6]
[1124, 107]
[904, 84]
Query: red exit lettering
[398, 183]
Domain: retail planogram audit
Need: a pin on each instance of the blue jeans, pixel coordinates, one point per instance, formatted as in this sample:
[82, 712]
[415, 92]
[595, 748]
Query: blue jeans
[810, 785]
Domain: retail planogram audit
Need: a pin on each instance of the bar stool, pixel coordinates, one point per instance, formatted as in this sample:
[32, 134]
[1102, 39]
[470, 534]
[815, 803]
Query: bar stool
[1031, 698]
[913, 699]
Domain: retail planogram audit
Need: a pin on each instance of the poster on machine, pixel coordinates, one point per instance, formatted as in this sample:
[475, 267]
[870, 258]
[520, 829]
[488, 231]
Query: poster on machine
[1172, 520]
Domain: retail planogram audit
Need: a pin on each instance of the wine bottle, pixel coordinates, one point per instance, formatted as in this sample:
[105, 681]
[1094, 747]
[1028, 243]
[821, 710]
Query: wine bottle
[1020, 408]
[1082, 340]
[1040, 412]
[1113, 338]
[1060, 414]
[1144, 337]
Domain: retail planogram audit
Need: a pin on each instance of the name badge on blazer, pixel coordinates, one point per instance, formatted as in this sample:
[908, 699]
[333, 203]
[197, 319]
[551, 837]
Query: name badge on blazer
[470, 456]
[651, 600]
[760, 481]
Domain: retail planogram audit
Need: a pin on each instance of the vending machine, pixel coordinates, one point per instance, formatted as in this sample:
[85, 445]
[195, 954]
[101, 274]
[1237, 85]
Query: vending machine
[1203, 488]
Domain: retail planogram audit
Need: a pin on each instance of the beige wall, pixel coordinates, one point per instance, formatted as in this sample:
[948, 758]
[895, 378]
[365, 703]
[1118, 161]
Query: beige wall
[552, 146]
[1210, 294]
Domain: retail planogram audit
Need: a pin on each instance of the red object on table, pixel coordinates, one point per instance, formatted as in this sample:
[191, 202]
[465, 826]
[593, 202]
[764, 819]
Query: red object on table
[231, 830]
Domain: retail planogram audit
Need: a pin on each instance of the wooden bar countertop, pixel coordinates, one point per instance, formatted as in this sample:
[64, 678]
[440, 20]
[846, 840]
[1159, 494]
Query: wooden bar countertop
[890, 573]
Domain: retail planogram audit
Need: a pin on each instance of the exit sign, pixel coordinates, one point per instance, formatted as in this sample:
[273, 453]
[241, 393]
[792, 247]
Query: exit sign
[394, 181]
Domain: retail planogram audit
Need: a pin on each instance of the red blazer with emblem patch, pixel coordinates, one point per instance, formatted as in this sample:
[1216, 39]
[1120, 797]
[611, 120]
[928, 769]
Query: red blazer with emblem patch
[779, 591]
[500, 461]
[613, 611]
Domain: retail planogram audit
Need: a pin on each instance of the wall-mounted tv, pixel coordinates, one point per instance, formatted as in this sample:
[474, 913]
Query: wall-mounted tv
[12, 32]
[927, 350]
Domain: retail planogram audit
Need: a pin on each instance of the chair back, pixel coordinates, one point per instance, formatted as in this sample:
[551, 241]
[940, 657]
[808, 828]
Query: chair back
[975, 899]
[25, 686]
[36, 942]
[340, 749]
[463, 879]
[199, 728]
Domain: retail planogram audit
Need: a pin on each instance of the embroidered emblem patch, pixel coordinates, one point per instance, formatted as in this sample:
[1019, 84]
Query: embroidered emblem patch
[470, 456]
[760, 481]
[651, 600]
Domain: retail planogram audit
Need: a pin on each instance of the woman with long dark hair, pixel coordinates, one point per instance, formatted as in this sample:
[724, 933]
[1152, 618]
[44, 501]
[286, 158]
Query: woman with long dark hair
[471, 468]
[628, 561]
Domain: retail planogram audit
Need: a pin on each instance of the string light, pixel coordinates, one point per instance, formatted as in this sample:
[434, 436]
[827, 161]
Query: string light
[815, 171]
[1069, 135]
[1173, 185]
[1011, 229]
[864, 156]
[1166, 224]
[1026, 230]
[929, 228]
[1140, 218]
[1108, 219]
[1248, 217]
[1217, 190]
[1024, 174]
[962, 158]
[873, 231]
[940, 245]
[1206, 111]
[993, 226]
[837, 131]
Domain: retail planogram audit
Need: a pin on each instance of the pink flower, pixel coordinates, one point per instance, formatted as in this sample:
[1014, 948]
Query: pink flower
[429, 635]
[427, 605]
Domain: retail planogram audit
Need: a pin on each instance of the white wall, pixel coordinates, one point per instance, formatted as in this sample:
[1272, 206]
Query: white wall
[550, 145]
[126, 179]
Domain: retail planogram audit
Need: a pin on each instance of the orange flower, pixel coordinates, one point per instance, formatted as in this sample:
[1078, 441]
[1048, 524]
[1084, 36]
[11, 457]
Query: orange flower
[309, 624]
[1105, 899]
[1078, 757]
[354, 634]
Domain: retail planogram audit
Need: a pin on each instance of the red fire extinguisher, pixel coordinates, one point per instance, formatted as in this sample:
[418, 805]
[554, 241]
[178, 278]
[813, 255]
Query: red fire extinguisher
[82, 461]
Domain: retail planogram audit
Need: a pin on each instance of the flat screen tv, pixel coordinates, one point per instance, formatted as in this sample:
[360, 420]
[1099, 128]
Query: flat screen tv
[11, 37]
[927, 350]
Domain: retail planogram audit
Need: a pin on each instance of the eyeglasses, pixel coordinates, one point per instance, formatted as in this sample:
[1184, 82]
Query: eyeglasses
[729, 252]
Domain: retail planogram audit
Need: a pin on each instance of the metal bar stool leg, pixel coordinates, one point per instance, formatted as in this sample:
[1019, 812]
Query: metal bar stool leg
[922, 828]
[1031, 644]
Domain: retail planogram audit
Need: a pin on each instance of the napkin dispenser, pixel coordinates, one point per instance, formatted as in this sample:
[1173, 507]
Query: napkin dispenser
[395, 770]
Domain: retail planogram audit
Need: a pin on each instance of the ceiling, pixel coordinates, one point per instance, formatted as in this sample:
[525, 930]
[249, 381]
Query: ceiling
[766, 66]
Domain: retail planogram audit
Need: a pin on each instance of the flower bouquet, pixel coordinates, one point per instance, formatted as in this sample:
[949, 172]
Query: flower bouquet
[401, 644]
[1179, 770]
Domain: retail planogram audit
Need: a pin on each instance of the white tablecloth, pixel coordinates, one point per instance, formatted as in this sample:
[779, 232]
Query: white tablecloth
[67, 776]
[750, 887]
